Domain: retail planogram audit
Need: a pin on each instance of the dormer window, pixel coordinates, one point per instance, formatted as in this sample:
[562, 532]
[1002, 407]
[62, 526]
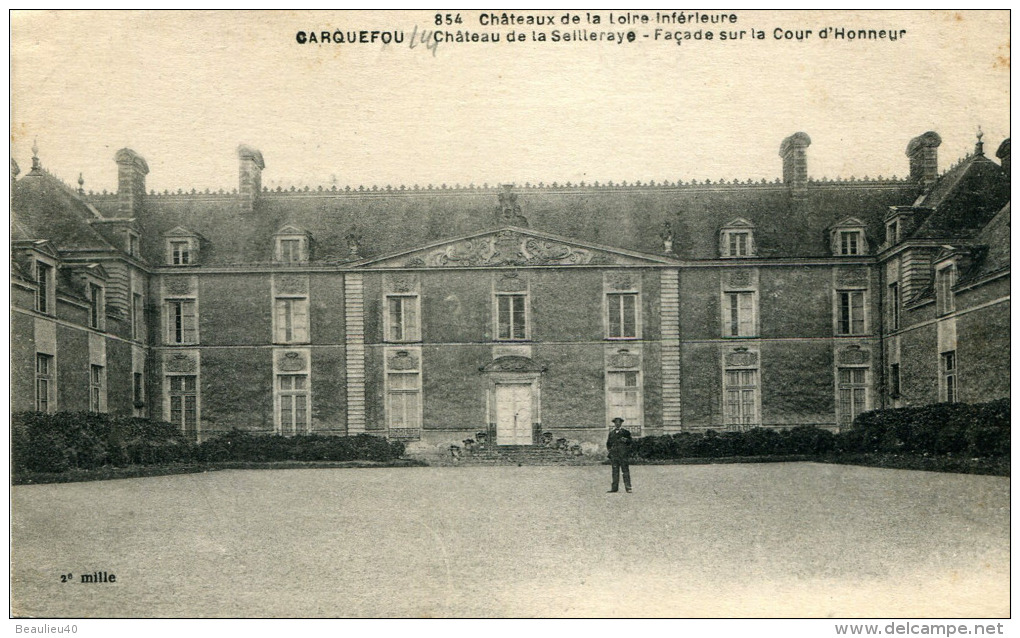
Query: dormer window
[133, 244]
[45, 294]
[97, 305]
[181, 247]
[292, 245]
[892, 232]
[180, 252]
[290, 249]
[847, 238]
[736, 239]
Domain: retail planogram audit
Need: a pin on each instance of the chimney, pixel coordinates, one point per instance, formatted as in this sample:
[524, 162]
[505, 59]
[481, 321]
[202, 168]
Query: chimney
[250, 185]
[793, 150]
[923, 152]
[131, 172]
[1003, 155]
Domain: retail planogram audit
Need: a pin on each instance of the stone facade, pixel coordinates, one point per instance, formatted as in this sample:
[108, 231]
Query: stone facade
[514, 312]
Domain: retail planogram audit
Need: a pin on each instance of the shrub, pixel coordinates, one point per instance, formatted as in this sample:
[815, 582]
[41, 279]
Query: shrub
[238, 445]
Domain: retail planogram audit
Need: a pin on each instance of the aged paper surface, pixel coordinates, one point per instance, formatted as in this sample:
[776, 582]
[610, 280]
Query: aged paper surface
[464, 102]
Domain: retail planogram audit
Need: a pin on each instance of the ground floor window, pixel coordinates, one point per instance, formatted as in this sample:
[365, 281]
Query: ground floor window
[949, 387]
[183, 391]
[403, 400]
[96, 390]
[43, 381]
[294, 403]
[741, 398]
[894, 380]
[624, 390]
[853, 393]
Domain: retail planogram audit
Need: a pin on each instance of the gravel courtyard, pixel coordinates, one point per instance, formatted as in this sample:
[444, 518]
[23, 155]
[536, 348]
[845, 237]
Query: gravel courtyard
[795, 539]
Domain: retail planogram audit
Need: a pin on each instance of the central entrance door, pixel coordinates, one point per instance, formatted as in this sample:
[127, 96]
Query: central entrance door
[513, 414]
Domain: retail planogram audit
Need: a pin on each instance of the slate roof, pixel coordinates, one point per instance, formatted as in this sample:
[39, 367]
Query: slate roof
[43, 207]
[964, 200]
[630, 218]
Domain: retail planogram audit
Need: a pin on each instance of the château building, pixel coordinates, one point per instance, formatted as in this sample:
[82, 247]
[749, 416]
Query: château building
[430, 314]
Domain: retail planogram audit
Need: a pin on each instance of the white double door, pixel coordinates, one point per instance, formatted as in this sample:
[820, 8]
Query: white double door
[513, 414]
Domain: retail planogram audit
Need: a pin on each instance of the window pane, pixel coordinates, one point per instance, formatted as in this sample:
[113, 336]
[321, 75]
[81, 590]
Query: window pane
[410, 318]
[396, 319]
[615, 312]
[504, 317]
[629, 315]
[518, 317]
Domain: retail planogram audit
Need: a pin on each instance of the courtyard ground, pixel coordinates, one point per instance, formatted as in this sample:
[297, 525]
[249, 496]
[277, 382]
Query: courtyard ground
[783, 539]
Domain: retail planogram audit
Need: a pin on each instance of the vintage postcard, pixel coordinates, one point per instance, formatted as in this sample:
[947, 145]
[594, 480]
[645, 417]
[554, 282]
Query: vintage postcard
[506, 314]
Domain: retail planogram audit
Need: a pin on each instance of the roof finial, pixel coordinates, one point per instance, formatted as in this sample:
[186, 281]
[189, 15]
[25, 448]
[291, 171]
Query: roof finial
[979, 148]
[35, 155]
[81, 184]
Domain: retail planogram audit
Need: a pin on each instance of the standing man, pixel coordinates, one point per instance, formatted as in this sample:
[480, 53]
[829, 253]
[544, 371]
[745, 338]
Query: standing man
[618, 445]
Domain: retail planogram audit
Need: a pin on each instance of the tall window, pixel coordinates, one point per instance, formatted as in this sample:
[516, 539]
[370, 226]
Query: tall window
[182, 321]
[738, 314]
[183, 391]
[851, 312]
[138, 391]
[950, 390]
[850, 242]
[741, 397]
[623, 319]
[511, 317]
[137, 317]
[44, 281]
[43, 381]
[132, 244]
[180, 252]
[96, 390]
[402, 318]
[95, 306]
[853, 393]
[892, 232]
[294, 412]
[403, 399]
[291, 320]
[945, 279]
[894, 306]
[624, 390]
[894, 380]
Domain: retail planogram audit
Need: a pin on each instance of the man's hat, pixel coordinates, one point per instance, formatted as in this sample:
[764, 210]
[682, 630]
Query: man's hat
[618, 420]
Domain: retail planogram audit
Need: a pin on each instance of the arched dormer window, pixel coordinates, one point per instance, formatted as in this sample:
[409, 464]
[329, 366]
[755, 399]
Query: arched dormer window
[736, 239]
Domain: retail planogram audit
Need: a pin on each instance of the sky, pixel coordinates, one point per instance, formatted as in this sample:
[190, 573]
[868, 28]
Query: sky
[184, 89]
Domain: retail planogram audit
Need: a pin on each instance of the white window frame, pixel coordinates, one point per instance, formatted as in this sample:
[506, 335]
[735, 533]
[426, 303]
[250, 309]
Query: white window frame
[300, 333]
[174, 257]
[893, 302]
[408, 333]
[949, 377]
[618, 309]
[740, 419]
[728, 238]
[46, 286]
[848, 409]
[137, 316]
[621, 392]
[182, 394]
[526, 313]
[283, 252]
[727, 314]
[170, 321]
[97, 304]
[294, 394]
[850, 242]
[44, 397]
[97, 388]
[412, 417]
[945, 279]
[838, 312]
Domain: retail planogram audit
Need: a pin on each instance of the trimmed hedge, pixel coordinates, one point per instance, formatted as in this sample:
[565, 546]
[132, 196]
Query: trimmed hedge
[944, 429]
[238, 445]
[62, 441]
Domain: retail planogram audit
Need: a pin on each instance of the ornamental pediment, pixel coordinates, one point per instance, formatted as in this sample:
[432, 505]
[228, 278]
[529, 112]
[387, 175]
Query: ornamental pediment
[511, 246]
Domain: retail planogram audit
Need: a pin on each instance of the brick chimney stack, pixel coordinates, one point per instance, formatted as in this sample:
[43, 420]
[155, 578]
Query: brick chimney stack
[250, 184]
[131, 172]
[1003, 155]
[923, 152]
[793, 150]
